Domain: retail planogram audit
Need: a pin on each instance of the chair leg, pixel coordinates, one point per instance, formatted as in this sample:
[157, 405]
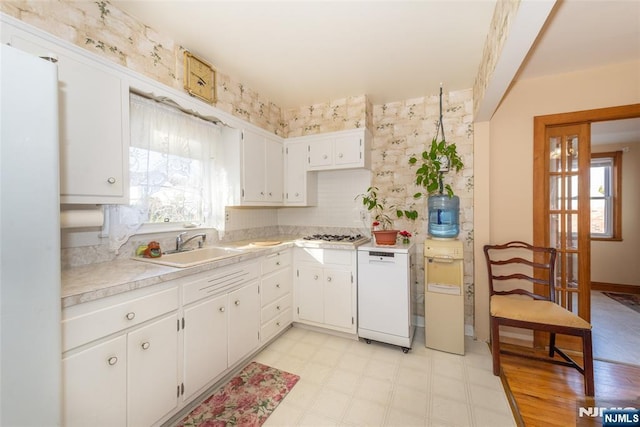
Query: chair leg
[587, 354]
[552, 344]
[495, 345]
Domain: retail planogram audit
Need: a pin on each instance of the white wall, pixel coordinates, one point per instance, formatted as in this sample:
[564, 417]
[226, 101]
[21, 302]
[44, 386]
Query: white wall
[336, 206]
[510, 160]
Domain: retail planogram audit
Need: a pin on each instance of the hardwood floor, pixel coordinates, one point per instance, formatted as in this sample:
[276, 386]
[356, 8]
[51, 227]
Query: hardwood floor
[549, 395]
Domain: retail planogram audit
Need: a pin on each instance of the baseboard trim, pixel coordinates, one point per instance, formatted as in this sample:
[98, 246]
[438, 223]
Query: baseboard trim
[615, 287]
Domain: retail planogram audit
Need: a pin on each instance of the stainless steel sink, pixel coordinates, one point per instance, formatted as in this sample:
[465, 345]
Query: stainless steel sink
[193, 257]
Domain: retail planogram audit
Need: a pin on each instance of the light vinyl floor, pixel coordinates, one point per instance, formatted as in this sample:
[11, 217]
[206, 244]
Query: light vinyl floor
[344, 382]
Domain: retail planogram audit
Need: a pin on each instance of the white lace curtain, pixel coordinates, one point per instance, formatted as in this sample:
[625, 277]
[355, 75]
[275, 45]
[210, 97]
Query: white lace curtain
[170, 166]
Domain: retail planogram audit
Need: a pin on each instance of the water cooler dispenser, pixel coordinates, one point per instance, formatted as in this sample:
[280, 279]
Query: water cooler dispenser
[444, 216]
[444, 295]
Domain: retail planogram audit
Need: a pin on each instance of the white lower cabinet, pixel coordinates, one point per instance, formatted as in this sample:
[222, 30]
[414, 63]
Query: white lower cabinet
[244, 322]
[324, 288]
[205, 343]
[138, 358]
[221, 323]
[152, 357]
[129, 377]
[95, 382]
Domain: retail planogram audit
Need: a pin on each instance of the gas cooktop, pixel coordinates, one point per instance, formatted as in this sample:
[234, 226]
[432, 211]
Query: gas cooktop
[349, 239]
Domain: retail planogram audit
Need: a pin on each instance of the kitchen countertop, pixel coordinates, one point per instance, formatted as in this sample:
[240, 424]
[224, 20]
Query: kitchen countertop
[95, 281]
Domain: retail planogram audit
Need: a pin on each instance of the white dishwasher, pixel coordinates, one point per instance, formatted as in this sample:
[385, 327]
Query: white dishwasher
[385, 304]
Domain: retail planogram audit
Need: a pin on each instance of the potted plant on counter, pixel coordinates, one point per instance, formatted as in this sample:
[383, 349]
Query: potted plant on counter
[382, 224]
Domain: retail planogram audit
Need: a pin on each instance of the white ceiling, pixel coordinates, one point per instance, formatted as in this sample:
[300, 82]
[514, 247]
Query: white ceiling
[304, 52]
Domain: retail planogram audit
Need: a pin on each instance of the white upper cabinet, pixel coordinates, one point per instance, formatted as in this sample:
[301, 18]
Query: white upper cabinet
[262, 168]
[254, 167]
[339, 150]
[93, 127]
[274, 173]
[300, 186]
[251, 164]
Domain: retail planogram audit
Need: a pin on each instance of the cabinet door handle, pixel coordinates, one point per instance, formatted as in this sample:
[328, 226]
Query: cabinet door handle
[270, 193]
[325, 157]
[278, 324]
[315, 277]
[237, 302]
[278, 307]
[340, 155]
[145, 345]
[111, 180]
[131, 315]
[112, 360]
[221, 309]
[278, 285]
[329, 279]
[277, 262]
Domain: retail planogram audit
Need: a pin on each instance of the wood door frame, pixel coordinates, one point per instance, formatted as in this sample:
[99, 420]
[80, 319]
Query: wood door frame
[540, 182]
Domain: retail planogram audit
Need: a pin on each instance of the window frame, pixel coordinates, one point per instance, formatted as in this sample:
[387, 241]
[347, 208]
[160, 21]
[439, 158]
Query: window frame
[615, 200]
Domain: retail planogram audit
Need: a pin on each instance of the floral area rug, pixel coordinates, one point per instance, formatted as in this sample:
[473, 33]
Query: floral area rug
[630, 300]
[246, 400]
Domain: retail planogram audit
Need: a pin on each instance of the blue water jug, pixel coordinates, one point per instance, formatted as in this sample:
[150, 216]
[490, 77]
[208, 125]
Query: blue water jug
[444, 214]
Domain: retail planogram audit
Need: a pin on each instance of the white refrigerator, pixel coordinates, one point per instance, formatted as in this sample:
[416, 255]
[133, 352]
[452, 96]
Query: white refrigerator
[30, 343]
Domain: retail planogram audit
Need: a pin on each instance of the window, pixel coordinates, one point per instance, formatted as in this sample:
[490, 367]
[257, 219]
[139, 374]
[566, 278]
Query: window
[605, 196]
[169, 163]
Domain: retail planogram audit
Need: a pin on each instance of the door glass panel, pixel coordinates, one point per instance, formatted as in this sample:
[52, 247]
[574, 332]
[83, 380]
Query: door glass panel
[572, 193]
[555, 188]
[555, 154]
[554, 231]
[572, 280]
[572, 231]
[572, 153]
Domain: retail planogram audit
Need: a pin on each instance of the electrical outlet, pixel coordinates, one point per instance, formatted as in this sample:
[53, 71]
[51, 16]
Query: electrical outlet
[363, 215]
[226, 217]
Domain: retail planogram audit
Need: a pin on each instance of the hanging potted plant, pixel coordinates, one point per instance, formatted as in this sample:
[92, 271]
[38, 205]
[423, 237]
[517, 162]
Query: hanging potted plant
[382, 225]
[444, 209]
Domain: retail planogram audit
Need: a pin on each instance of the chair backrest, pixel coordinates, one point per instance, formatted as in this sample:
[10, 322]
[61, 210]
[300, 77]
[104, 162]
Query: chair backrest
[516, 263]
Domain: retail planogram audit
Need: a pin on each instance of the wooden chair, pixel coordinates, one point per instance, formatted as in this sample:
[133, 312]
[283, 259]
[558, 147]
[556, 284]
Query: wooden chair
[513, 265]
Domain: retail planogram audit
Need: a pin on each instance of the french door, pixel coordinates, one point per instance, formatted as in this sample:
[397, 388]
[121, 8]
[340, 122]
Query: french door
[568, 152]
[562, 214]
[561, 205]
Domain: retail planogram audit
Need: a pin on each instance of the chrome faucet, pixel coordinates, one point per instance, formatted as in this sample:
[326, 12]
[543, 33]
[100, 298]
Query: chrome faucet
[180, 242]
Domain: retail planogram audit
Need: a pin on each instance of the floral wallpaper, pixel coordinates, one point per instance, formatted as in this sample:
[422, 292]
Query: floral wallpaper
[103, 29]
[399, 129]
[407, 127]
[503, 15]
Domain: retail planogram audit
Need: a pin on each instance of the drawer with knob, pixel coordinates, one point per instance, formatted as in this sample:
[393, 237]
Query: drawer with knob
[276, 261]
[275, 325]
[275, 286]
[84, 323]
[275, 308]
